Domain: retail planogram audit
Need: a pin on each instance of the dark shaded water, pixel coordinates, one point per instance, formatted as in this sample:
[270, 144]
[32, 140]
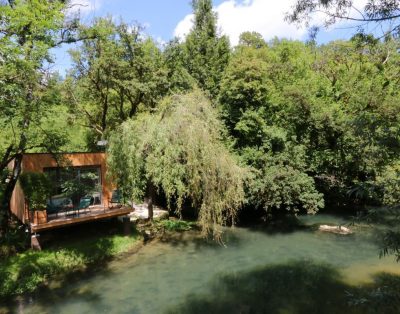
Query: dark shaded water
[255, 272]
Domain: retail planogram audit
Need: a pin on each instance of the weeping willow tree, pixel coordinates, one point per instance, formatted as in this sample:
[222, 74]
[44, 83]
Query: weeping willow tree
[179, 149]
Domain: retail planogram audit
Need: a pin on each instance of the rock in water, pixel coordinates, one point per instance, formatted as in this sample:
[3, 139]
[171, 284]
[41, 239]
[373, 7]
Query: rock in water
[335, 229]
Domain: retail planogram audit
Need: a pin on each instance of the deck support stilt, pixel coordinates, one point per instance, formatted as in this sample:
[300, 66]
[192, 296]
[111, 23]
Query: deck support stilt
[127, 225]
[35, 244]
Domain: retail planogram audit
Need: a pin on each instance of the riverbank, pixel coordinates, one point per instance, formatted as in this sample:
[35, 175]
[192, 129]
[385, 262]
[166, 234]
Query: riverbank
[64, 256]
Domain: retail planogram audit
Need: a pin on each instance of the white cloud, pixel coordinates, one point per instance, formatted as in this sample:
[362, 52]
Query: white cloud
[184, 26]
[84, 7]
[263, 16]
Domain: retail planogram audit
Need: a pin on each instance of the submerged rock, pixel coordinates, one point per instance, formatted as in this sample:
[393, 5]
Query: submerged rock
[335, 229]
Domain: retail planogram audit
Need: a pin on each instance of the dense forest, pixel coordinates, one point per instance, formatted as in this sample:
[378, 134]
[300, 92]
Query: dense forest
[281, 126]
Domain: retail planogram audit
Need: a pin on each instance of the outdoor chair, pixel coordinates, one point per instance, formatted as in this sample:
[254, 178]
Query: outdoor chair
[84, 203]
[116, 199]
[58, 204]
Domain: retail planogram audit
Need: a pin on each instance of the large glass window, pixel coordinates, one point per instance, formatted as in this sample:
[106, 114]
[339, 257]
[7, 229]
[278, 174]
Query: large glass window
[74, 186]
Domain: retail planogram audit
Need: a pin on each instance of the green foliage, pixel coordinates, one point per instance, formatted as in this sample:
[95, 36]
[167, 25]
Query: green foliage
[178, 76]
[206, 54]
[285, 188]
[13, 241]
[391, 243]
[252, 39]
[29, 30]
[37, 189]
[115, 75]
[250, 97]
[179, 150]
[327, 115]
[28, 89]
[389, 181]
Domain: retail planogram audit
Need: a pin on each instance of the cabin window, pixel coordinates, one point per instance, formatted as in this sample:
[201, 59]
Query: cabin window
[73, 184]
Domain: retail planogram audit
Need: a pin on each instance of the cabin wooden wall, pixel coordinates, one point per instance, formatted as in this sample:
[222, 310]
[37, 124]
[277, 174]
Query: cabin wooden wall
[17, 203]
[37, 163]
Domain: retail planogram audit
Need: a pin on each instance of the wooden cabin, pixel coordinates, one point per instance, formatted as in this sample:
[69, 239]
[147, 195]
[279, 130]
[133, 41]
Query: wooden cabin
[65, 209]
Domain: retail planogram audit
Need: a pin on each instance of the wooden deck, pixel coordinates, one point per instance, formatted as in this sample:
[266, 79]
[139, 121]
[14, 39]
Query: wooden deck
[66, 219]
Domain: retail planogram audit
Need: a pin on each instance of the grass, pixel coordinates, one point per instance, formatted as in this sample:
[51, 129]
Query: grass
[25, 272]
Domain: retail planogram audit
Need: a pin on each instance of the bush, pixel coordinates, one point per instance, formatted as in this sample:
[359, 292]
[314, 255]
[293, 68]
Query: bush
[284, 187]
[37, 189]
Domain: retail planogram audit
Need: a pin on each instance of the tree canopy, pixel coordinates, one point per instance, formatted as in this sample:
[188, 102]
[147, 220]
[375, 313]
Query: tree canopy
[206, 52]
[324, 117]
[27, 88]
[118, 74]
[179, 149]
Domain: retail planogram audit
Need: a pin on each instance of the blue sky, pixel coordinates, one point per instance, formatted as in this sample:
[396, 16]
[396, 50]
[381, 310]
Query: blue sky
[159, 16]
[164, 19]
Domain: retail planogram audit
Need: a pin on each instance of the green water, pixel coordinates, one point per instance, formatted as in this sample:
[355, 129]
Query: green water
[255, 272]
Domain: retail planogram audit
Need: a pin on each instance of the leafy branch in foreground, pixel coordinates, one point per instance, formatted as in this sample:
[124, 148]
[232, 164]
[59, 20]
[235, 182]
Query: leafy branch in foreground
[378, 12]
[391, 244]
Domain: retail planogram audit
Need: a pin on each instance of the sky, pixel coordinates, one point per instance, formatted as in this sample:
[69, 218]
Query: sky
[165, 19]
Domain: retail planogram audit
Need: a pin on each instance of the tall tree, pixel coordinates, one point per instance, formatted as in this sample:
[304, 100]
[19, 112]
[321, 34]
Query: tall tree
[115, 75]
[206, 52]
[28, 29]
[179, 79]
[179, 150]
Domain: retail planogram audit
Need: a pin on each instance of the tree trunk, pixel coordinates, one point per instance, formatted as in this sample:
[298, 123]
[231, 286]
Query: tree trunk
[5, 210]
[5, 202]
[6, 158]
[150, 200]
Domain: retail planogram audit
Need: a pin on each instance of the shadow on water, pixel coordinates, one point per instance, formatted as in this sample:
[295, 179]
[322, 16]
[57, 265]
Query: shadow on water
[296, 287]
[198, 241]
[285, 225]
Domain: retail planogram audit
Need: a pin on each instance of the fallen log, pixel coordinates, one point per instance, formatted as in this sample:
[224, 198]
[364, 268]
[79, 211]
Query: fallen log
[335, 229]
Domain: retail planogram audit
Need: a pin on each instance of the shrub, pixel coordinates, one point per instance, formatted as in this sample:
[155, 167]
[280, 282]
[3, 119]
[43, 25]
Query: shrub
[37, 189]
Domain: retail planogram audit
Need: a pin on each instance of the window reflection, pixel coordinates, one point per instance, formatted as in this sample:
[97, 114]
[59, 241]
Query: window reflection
[74, 188]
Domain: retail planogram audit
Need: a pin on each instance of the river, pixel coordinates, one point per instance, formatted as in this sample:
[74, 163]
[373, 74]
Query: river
[255, 271]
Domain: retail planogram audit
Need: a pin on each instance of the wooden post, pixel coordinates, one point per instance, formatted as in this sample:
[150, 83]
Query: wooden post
[35, 245]
[127, 225]
[40, 217]
[27, 216]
